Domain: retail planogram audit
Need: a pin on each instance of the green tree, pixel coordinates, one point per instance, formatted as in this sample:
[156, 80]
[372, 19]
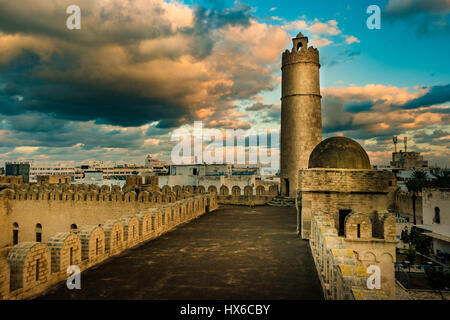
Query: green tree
[417, 240]
[415, 185]
[438, 280]
[442, 180]
[410, 254]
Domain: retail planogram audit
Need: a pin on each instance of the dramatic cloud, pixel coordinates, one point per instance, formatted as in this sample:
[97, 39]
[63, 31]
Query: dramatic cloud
[370, 115]
[426, 17]
[321, 42]
[351, 39]
[257, 107]
[133, 64]
[411, 7]
[435, 138]
[317, 27]
[342, 57]
[435, 95]
[117, 88]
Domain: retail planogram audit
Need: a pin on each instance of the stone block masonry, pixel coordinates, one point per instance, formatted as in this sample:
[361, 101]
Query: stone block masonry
[341, 275]
[301, 115]
[29, 268]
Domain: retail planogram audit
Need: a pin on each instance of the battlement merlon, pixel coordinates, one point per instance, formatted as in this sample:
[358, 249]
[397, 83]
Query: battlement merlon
[300, 52]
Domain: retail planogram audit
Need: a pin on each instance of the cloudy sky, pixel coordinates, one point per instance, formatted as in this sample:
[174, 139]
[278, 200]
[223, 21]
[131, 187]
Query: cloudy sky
[139, 69]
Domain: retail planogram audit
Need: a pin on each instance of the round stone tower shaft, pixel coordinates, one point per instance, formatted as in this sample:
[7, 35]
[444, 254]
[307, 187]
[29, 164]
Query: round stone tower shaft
[301, 119]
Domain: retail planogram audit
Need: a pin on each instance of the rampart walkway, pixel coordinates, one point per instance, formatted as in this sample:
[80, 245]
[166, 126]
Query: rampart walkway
[232, 253]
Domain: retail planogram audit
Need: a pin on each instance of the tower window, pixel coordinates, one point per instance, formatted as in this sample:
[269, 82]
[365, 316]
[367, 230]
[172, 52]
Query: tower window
[359, 231]
[299, 46]
[15, 233]
[37, 269]
[73, 228]
[437, 215]
[38, 232]
[96, 247]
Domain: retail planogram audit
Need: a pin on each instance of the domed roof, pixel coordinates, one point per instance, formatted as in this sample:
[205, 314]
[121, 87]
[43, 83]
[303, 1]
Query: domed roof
[340, 153]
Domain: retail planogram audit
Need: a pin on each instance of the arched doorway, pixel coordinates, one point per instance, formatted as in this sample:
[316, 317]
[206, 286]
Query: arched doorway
[286, 187]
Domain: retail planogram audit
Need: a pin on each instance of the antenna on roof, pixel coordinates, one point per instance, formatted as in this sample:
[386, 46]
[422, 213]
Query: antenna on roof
[405, 139]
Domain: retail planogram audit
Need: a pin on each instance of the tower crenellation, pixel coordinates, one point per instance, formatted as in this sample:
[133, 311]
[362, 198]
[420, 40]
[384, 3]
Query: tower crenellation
[300, 52]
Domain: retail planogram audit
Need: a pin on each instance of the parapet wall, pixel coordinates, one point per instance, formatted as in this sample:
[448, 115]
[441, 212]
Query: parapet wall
[245, 196]
[347, 180]
[342, 276]
[56, 208]
[29, 268]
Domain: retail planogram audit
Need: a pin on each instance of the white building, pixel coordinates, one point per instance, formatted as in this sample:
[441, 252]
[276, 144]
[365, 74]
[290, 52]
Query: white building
[436, 219]
[110, 170]
[42, 169]
[209, 175]
[155, 165]
[96, 177]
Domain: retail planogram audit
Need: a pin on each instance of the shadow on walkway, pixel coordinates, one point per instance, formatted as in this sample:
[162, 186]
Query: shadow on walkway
[232, 253]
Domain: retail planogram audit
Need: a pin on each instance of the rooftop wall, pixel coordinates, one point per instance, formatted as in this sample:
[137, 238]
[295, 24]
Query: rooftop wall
[340, 273]
[59, 207]
[33, 267]
[347, 180]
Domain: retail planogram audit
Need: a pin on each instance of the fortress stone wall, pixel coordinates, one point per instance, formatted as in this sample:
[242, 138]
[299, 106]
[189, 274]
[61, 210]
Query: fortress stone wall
[87, 234]
[342, 266]
[344, 214]
[345, 209]
[331, 190]
[61, 207]
[404, 205]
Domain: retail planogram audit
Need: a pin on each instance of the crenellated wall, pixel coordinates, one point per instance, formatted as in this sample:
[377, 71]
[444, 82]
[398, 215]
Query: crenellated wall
[342, 261]
[246, 196]
[29, 268]
[56, 208]
[332, 190]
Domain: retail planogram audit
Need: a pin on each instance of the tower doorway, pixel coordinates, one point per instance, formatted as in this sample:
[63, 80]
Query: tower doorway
[286, 184]
[342, 214]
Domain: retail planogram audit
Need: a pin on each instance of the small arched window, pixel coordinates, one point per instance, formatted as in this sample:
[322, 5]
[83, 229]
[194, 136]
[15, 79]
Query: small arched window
[299, 46]
[437, 215]
[15, 233]
[38, 232]
[73, 228]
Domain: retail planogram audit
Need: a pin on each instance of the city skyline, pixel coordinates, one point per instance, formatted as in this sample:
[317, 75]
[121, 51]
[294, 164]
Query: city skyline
[117, 89]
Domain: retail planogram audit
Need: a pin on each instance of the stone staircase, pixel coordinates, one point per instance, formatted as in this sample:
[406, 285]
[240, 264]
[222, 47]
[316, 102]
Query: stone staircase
[280, 201]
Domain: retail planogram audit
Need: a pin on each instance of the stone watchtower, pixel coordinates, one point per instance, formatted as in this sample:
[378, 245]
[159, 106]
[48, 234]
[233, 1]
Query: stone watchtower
[301, 120]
